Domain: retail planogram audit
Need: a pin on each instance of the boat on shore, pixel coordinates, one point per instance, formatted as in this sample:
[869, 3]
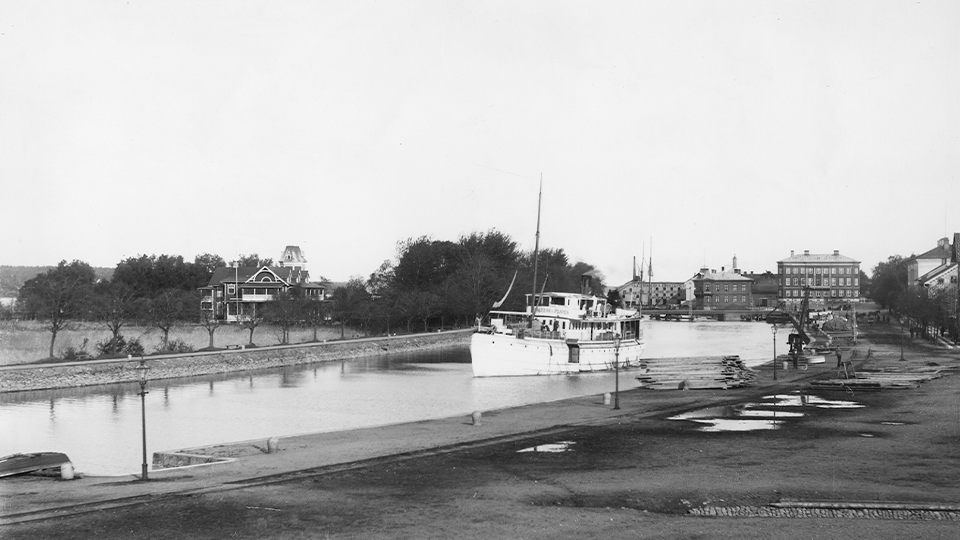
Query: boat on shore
[15, 464]
[560, 333]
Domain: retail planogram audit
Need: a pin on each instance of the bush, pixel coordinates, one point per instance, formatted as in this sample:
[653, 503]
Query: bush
[175, 346]
[119, 346]
[73, 354]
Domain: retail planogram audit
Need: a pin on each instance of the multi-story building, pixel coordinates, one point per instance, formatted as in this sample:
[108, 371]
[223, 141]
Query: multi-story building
[765, 287]
[720, 290]
[830, 278]
[933, 265]
[234, 292]
[650, 293]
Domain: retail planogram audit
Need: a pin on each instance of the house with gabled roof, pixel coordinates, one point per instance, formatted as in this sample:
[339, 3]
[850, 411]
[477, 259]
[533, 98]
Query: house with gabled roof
[234, 292]
[930, 265]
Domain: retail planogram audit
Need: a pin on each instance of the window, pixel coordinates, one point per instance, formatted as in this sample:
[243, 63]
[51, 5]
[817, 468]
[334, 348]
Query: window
[833, 281]
[856, 282]
[818, 270]
[706, 287]
[726, 287]
[833, 270]
[231, 289]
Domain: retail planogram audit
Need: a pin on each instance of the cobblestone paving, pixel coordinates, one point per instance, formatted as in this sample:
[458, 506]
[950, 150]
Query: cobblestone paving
[858, 513]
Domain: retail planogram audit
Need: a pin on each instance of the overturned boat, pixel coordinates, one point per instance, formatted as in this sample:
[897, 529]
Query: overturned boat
[15, 464]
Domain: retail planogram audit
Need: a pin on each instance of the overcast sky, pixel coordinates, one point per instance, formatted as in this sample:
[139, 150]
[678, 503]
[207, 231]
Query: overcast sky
[711, 128]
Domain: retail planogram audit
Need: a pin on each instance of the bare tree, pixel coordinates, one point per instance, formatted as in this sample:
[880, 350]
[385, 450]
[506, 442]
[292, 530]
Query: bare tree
[250, 320]
[210, 323]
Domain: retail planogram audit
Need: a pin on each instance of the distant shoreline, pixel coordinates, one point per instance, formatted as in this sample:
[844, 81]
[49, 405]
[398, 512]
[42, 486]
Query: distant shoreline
[38, 377]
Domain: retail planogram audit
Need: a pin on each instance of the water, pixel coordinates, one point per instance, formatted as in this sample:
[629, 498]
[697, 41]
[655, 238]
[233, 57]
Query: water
[100, 427]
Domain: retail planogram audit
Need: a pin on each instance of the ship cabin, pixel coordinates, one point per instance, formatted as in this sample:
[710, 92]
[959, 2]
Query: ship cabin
[568, 316]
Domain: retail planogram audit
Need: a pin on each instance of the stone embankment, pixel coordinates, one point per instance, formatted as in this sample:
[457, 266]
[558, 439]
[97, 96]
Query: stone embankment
[46, 377]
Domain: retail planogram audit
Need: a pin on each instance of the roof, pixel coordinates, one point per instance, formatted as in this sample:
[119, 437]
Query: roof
[244, 274]
[942, 251]
[941, 270]
[721, 276]
[819, 258]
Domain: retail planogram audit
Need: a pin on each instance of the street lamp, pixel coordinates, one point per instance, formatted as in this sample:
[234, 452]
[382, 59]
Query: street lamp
[142, 376]
[773, 328]
[900, 317]
[236, 289]
[616, 369]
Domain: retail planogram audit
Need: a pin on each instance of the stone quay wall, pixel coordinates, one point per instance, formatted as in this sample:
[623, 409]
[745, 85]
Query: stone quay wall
[77, 374]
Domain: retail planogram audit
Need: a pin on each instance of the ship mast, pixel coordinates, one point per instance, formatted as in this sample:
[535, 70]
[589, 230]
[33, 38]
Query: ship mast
[536, 250]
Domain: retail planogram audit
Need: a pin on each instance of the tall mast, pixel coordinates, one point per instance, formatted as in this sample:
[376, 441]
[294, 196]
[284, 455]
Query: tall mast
[536, 251]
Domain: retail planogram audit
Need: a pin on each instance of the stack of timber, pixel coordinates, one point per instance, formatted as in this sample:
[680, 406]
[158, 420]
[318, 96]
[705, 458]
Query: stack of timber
[710, 372]
[880, 380]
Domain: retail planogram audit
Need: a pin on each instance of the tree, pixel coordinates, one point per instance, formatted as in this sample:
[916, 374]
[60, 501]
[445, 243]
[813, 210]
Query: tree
[167, 309]
[58, 295]
[284, 311]
[250, 320]
[209, 263]
[889, 282]
[252, 260]
[614, 300]
[210, 323]
[315, 313]
[149, 276]
[115, 305]
[347, 301]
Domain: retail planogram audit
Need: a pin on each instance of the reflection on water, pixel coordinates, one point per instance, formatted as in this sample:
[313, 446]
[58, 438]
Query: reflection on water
[99, 427]
[552, 448]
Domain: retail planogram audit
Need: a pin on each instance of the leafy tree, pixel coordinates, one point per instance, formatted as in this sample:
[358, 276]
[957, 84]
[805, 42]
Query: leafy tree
[889, 282]
[347, 301]
[209, 263]
[149, 276]
[252, 260]
[315, 313]
[58, 295]
[613, 299]
[284, 311]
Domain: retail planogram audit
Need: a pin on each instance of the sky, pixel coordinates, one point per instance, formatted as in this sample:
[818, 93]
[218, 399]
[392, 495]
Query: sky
[700, 129]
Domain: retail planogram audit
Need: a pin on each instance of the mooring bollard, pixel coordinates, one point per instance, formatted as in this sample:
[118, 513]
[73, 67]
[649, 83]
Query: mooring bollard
[606, 398]
[273, 445]
[66, 471]
[475, 417]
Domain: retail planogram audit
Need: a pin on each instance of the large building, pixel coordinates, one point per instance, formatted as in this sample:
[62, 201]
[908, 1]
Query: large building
[235, 292]
[709, 289]
[650, 293]
[828, 278]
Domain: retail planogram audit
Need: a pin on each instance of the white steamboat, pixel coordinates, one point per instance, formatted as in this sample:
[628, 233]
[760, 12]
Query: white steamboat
[570, 333]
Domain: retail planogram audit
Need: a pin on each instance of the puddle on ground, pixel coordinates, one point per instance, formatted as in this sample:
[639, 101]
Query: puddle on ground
[553, 448]
[763, 415]
[894, 423]
[807, 400]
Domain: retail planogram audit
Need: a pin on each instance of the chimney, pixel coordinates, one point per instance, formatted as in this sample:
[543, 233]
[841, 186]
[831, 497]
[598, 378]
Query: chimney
[723, 268]
[806, 252]
[836, 252]
[791, 253]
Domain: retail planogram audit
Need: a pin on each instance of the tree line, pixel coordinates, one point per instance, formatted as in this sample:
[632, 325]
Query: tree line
[934, 307]
[429, 284]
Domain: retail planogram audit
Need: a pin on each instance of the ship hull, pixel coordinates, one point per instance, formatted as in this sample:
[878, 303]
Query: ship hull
[502, 355]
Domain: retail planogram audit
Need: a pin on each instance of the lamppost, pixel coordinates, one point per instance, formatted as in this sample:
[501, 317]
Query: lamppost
[616, 369]
[773, 328]
[236, 289]
[142, 373]
[900, 317]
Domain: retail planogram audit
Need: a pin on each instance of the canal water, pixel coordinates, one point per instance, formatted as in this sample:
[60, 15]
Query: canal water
[99, 427]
